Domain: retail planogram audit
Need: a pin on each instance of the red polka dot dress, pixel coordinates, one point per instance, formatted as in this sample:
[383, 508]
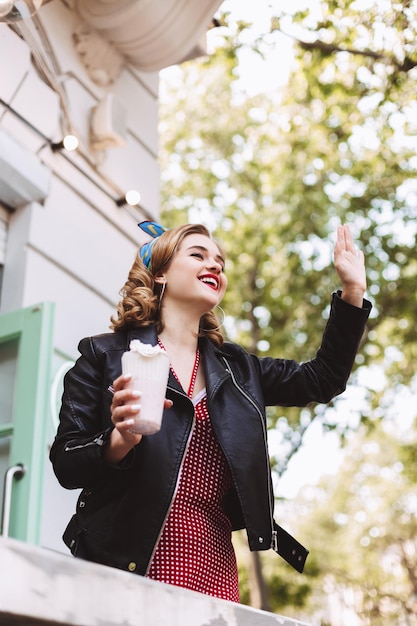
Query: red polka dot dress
[195, 549]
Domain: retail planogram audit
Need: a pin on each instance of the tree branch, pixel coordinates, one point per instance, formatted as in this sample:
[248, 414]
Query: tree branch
[328, 48]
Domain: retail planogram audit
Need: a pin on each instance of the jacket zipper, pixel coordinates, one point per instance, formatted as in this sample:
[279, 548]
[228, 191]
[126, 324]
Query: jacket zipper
[175, 490]
[98, 441]
[274, 538]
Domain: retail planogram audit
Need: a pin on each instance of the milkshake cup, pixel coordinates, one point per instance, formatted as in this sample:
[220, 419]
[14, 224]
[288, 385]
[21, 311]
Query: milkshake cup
[149, 368]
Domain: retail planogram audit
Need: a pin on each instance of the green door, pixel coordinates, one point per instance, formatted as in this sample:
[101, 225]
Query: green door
[25, 357]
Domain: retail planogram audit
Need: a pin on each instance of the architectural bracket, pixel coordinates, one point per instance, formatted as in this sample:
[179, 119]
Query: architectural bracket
[101, 59]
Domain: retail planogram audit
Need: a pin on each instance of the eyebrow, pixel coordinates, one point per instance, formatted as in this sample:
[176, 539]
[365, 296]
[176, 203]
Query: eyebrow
[204, 249]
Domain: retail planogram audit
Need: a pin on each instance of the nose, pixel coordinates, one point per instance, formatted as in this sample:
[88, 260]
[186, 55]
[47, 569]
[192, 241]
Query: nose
[214, 265]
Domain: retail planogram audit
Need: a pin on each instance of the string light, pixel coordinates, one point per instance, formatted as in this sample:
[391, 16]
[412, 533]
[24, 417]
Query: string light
[131, 197]
[69, 142]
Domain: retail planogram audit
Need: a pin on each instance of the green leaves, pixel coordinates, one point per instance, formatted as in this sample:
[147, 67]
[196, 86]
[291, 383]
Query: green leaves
[274, 173]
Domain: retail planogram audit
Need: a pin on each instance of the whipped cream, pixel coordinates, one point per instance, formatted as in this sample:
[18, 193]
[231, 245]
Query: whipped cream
[146, 349]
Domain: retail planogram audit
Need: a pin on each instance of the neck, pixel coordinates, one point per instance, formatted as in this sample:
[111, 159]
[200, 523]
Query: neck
[180, 330]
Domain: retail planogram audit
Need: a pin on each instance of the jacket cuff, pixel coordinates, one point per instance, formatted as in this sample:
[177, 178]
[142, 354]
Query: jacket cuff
[337, 298]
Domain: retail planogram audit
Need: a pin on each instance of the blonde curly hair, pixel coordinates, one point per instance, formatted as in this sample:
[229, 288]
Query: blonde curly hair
[140, 303]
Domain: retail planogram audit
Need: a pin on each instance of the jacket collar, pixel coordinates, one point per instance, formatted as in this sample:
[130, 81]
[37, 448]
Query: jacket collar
[214, 367]
[147, 334]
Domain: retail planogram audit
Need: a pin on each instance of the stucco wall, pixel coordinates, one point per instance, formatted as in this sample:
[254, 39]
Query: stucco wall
[78, 234]
[73, 246]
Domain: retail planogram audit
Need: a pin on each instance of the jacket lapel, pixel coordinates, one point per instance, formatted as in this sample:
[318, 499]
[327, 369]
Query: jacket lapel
[214, 368]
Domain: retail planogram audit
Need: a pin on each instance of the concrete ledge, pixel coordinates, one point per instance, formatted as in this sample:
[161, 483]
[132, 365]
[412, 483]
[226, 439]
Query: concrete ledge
[39, 586]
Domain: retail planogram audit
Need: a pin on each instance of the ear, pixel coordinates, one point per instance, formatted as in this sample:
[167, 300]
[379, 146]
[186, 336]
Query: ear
[160, 280]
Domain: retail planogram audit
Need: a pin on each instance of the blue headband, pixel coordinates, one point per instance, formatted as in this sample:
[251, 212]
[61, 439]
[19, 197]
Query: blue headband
[154, 230]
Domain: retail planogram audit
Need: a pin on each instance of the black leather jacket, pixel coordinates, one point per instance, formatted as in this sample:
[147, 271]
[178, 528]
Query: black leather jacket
[122, 508]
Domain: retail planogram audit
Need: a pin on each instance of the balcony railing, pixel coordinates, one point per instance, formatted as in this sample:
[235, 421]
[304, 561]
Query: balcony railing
[39, 586]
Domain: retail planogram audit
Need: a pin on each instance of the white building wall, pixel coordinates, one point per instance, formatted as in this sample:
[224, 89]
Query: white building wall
[75, 247]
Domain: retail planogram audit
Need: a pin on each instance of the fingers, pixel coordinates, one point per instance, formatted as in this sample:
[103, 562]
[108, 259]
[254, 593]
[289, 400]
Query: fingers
[350, 266]
[124, 414]
[121, 381]
[126, 404]
[344, 238]
[125, 408]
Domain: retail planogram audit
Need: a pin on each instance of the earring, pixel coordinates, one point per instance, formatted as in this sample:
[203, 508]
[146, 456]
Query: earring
[224, 316]
[164, 284]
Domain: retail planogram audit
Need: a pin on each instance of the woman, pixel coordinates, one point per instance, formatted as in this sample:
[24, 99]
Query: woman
[165, 505]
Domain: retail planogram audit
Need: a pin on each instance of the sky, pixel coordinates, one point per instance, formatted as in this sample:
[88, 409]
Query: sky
[263, 75]
[258, 75]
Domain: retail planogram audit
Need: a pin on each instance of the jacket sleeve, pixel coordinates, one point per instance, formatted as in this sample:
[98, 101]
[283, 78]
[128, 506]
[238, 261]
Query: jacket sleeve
[84, 423]
[288, 383]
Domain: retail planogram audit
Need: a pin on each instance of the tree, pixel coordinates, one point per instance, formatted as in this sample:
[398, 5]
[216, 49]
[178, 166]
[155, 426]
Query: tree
[273, 174]
[362, 523]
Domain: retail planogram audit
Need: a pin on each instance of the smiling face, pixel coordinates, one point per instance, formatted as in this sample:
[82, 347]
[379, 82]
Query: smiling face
[196, 273]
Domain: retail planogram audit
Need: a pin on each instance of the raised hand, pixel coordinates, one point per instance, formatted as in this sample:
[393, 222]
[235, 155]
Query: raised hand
[350, 266]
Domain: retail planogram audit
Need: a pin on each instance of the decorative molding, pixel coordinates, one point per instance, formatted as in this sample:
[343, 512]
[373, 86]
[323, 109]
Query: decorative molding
[101, 59]
[151, 34]
[108, 124]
